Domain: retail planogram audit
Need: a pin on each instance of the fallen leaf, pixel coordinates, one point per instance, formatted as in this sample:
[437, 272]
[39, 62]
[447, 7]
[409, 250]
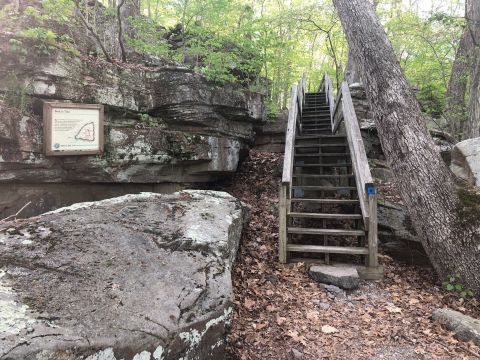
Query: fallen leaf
[281, 320]
[394, 309]
[260, 326]
[249, 303]
[327, 329]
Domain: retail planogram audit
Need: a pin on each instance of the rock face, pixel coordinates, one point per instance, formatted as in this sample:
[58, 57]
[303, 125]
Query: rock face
[466, 161]
[140, 276]
[465, 327]
[341, 276]
[163, 124]
[270, 136]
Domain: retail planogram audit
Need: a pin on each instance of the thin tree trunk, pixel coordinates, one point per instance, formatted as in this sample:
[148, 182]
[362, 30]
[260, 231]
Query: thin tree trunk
[473, 27]
[474, 103]
[120, 31]
[425, 183]
[455, 112]
[352, 75]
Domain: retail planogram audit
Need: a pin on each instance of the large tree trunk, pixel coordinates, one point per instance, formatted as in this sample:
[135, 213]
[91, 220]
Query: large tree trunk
[352, 75]
[473, 27]
[425, 183]
[455, 111]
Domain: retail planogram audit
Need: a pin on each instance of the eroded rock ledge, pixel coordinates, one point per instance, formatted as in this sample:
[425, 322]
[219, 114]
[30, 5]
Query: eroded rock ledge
[143, 275]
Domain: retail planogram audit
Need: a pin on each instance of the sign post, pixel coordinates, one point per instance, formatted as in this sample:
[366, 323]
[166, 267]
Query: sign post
[72, 129]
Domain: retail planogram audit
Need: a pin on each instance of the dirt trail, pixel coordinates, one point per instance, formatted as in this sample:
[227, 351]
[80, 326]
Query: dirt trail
[280, 310]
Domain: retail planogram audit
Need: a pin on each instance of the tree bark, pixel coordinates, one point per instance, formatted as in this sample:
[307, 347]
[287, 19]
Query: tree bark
[424, 181]
[473, 27]
[352, 75]
[455, 111]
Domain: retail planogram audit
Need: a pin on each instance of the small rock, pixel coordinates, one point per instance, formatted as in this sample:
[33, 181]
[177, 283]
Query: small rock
[465, 327]
[322, 305]
[341, 276]
[335, 291]
[295, 354]
[271, 278]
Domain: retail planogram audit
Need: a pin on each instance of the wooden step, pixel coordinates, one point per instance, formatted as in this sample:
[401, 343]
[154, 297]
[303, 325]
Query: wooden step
[325, 136]
[322, 165]
[326, 201]
[309, 116]
[324, 188]
[321, 155]
[328, 249]
[319, 124]
[308, 146]
[324, 176]
[333, 232]
[326, 216]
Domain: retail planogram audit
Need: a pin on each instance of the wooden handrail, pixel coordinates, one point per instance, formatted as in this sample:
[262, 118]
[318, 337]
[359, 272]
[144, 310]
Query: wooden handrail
[294, 123]
[329, 95]
[290, 137]
[344, 111]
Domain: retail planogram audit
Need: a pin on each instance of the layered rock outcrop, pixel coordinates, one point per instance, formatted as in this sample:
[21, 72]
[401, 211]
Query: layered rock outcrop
[163, 124]
[136, 277]
[270, 136]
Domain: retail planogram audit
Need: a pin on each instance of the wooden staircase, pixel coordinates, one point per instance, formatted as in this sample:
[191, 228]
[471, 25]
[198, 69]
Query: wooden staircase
[327, 199]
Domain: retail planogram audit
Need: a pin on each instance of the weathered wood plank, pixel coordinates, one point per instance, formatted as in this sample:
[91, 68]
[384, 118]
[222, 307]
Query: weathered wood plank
[290, 137]
[372, 232]
[333, 232]
[330, 97]
[357, 150]
[328, 249]
[282, 248]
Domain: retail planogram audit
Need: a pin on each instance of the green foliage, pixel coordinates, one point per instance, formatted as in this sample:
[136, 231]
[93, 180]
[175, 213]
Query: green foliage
[453, 284]
[147, 41]
[45, 39]
[432, 99]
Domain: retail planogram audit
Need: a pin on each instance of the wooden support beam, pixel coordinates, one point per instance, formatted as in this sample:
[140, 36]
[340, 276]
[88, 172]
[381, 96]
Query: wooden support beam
[372, 231]
[283, 210]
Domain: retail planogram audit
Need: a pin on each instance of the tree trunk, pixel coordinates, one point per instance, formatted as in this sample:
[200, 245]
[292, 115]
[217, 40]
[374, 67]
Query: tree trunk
[424, 181]
[473, 27]
[352, 75]
[455, 112]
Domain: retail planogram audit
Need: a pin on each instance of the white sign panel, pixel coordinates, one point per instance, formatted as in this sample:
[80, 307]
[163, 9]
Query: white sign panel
[73, 129]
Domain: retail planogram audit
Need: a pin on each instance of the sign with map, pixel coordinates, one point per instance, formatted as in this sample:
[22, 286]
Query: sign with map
[73, 129]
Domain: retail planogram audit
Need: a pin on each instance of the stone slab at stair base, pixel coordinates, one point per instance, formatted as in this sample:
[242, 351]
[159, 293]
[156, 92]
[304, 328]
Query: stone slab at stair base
[144, 276]
[365, 273]
[465, 327]
[345, 277]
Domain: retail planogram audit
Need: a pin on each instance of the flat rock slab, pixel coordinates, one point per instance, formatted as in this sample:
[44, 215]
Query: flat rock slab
[465, 327]
[142, 276]
[341, 276]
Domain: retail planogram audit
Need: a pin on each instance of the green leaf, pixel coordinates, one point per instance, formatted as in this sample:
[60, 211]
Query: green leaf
[450, 287]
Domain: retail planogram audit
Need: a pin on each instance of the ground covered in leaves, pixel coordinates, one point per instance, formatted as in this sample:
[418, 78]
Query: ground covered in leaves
[280, 313]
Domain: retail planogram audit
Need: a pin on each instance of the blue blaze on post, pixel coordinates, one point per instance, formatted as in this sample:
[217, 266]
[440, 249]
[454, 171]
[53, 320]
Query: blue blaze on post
[370, 188]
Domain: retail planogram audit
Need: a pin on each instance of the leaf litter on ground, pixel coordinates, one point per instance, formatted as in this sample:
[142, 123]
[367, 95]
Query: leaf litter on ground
[278, 308]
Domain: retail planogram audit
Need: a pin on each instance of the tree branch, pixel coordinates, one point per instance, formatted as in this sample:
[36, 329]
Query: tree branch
[95, 35]
[120, 32]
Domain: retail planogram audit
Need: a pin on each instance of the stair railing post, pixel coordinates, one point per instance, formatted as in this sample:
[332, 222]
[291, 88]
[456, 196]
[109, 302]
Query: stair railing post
[283, 208]
[372, 228]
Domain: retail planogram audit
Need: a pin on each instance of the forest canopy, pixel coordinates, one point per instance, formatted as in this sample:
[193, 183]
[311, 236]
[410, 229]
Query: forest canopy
[265, 45]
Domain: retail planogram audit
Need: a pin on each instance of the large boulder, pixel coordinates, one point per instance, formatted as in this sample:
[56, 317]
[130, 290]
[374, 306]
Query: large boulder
[397, 235]
[135, 277]
[466, 161]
